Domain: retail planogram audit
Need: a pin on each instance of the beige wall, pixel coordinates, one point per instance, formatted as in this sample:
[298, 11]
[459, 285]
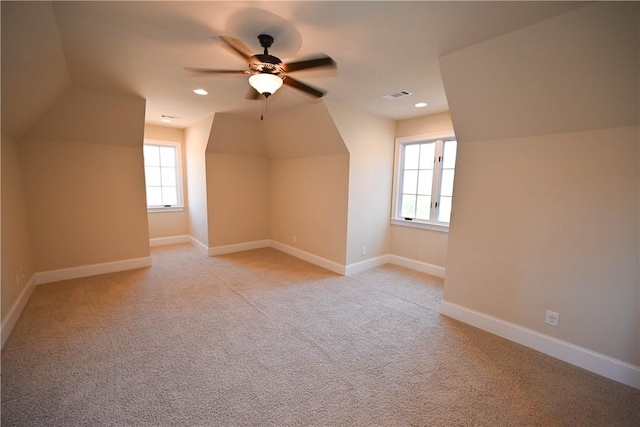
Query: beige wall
[546, 202]
[422, 245]
[17, 254]
[84, 182]
[560, 234]
[86, 203]
[168, 224]
[423, 125]
[369, 140]
[309, 180]
[236, 136]
[309, 199]
[196, 138]
[163, 133]
[238, 198]
[237, 182]
[419, 244]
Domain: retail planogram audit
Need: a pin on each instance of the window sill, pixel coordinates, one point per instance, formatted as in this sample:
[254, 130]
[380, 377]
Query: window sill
[171, 209]
[420, 224]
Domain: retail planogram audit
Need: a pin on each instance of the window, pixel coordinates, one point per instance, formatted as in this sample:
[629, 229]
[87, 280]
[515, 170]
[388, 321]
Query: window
[423, 187]
[163, 175]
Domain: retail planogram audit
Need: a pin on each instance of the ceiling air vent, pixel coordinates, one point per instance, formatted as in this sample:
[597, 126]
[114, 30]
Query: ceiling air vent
[398, 94]
[168, 119]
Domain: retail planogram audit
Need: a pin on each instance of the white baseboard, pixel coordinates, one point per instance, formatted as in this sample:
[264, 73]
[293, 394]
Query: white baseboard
[306, 256]
[323, 262]
[91, 270]
[198, 244]
[11, 318]
[600, 364]
[358, 267]
[423, 267]
[172, 240]
[362, 265]
[239, 247]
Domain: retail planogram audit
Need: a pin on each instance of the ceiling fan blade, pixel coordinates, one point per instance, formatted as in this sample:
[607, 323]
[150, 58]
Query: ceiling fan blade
[238, 46]
[323, 61]
[303, 87]
[215, 71]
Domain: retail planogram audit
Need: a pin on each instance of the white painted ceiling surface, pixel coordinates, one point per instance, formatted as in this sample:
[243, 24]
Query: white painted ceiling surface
[141, 48]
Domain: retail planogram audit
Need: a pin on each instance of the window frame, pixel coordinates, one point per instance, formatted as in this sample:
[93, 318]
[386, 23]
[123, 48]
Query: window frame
[400, 143]
[177, 145]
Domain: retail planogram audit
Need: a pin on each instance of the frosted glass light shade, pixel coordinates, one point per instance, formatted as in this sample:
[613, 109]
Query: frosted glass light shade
[266, 84]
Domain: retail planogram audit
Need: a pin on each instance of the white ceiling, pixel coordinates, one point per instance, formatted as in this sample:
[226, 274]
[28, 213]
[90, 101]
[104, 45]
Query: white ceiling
[141, 48]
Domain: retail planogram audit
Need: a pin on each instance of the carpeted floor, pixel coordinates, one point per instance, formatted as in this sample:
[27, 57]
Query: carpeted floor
[260, 338]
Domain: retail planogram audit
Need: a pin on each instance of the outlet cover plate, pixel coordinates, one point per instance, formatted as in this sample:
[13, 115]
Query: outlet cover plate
[551, 318]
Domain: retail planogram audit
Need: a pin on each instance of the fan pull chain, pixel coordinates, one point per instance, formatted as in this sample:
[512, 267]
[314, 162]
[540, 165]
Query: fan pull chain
[264, 108]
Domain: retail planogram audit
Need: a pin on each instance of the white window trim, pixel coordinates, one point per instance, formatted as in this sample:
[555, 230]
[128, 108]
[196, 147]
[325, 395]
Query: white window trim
[163, 209]
[414, 223]
[180, 188]
[398, 167]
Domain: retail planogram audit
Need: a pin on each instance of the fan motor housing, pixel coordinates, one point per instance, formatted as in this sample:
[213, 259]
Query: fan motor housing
[266, 64]
[268, 59]
[265, 40]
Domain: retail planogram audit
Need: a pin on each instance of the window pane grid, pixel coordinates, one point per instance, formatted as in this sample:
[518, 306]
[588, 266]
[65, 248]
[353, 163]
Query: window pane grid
[426, 180]
[161, 175]
[417, 180]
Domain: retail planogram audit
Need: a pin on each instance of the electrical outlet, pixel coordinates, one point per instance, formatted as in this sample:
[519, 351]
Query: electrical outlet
[295, 239]
[364, 250]
[551, 318]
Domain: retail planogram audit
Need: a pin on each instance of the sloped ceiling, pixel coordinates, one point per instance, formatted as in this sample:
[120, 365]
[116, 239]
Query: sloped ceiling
[308, 131]
[87, 116]
[581, 72]
[34, 69]
[141, 49]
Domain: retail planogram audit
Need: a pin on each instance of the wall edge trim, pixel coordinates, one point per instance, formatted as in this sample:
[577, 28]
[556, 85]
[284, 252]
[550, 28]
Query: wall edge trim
[16, 310]
[198, 244]
[238, 247]
[309, 257]
[423, 267]
[170, 240]
[590, 360]
[91, 270]
[367, 264]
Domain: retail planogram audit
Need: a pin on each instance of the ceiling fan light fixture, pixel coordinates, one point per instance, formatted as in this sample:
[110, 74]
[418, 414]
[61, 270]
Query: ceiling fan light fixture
[266, 84]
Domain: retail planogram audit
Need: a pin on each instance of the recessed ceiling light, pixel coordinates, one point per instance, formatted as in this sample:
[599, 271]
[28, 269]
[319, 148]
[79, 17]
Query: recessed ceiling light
[165, 120]
[421, 105]
[200, 92]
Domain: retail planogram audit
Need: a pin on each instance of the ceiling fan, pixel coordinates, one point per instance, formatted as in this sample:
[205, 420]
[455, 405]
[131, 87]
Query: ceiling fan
[268, 73]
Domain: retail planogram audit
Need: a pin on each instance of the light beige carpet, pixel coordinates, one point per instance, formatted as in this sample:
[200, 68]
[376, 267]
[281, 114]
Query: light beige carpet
[260, 338]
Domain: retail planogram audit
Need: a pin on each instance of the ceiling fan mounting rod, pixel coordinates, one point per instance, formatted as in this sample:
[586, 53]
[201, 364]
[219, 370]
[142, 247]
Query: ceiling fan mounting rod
[265, 41]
